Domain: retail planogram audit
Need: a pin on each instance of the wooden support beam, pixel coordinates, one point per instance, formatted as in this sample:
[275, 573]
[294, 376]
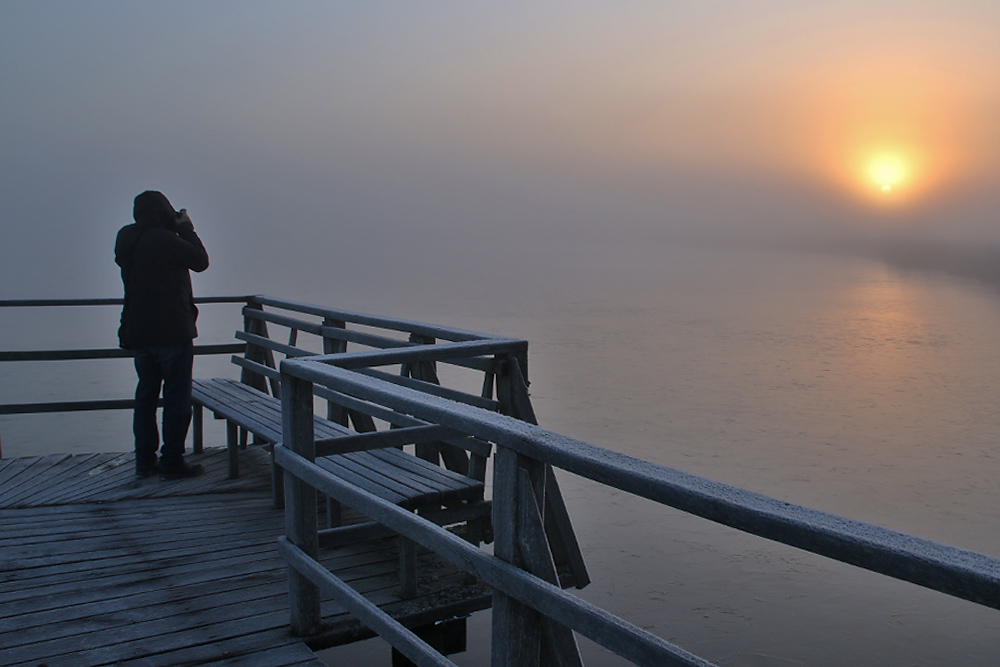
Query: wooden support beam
[300, 503]
[425, 372]
[559, 528]
[434, 388]
[256, 353]
[363, 422]
[520, 400]
[334, 412]
[69, 406]
[516, 627]
[558, 645]
[376, 321]
[105, 353]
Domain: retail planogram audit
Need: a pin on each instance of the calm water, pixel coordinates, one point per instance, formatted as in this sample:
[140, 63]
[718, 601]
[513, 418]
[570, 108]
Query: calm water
[828, 381]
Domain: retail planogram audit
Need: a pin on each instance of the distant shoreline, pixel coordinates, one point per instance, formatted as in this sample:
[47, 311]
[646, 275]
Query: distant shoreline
[979, 263]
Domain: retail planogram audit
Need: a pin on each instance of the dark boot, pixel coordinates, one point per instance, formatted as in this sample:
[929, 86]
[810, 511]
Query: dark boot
[180, 471]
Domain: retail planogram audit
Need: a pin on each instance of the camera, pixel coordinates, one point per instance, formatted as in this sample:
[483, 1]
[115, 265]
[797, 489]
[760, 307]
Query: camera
[180, 217]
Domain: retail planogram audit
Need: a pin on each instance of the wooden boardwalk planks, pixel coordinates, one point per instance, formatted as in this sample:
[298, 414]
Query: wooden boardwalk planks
[98, 568]
[85, 478]
[144, 579]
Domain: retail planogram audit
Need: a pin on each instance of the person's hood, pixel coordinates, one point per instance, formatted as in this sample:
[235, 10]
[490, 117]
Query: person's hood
[153, 209]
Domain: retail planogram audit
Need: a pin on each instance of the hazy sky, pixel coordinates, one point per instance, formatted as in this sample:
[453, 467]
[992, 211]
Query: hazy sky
[316, 139]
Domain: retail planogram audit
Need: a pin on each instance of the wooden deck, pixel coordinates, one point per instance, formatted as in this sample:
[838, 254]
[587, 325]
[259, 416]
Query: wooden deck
[98, 568]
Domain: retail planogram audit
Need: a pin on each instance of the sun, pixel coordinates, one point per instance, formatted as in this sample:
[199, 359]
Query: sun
[887, 171]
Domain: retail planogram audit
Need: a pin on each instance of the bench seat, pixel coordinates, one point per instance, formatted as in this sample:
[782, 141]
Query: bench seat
[252, 410]
[388, 473]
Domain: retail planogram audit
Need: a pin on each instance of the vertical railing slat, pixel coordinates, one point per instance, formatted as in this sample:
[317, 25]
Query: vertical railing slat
[335, 413]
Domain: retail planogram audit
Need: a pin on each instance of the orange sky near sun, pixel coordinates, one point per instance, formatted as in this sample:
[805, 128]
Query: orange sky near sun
[913, 125]
[922, 124]
[904, 101]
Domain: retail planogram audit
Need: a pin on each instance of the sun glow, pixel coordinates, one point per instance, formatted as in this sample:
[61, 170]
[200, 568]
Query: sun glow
[887, 172]
[889, 175]
[893, 173]
[890, 128]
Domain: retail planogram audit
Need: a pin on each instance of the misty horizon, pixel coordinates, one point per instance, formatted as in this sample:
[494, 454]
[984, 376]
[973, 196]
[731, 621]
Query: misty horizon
[723, 227]
[373, 142]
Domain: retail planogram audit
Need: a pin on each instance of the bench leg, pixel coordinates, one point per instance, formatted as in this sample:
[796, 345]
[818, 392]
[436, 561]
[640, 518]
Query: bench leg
[232, 445]
[277, 483]
[198, 419]
[475, 534]
[333, 512]
[407, 568]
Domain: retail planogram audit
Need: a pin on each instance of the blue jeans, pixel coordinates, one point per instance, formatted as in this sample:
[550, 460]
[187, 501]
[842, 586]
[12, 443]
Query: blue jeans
[171, 368]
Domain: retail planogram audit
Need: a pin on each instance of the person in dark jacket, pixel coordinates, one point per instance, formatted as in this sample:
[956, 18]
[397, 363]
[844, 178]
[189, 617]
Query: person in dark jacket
[156, 255]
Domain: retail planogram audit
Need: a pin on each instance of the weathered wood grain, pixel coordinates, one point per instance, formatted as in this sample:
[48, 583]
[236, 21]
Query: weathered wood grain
[173, 580]
[389, 473]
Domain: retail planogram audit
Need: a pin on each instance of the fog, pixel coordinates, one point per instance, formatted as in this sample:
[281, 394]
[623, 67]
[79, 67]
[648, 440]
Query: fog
[383, 153]
[554, 170]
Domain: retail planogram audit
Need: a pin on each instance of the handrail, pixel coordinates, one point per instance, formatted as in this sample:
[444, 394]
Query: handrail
[259, 348]
[94, 353]
[436, 352]
[67, 406]
[630, 641]
[396, 324]
[344, 335]
[114, 301]
[359, 606]
[106, 353]
[956, 572]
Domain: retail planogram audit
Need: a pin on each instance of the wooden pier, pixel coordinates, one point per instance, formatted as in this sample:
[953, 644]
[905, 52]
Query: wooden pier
[98, 568]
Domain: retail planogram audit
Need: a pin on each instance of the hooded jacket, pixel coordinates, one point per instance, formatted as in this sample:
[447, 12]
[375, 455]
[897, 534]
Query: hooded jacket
[156, 257]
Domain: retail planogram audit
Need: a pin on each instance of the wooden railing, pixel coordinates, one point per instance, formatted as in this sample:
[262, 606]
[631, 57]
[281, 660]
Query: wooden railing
[332, 331]
[312, 330]
[533, 618]
[92, 353]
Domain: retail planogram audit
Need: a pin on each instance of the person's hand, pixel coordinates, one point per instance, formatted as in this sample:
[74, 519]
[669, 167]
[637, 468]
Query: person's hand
[183, 221]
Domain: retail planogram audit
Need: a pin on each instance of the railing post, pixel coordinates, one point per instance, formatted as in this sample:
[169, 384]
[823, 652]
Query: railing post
[300, 501]
[512, 392]
[334, 412]
[256, 353]
[516, 631]
[426, 371]
[453, 458]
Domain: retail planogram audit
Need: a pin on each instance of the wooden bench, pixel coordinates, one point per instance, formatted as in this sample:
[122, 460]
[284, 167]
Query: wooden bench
[387, 472]
[369, 460]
